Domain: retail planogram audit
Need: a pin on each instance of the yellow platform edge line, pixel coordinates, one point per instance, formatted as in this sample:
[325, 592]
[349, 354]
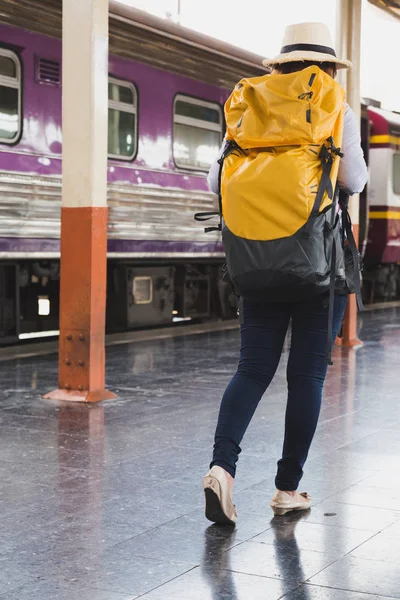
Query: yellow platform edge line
[391, 214]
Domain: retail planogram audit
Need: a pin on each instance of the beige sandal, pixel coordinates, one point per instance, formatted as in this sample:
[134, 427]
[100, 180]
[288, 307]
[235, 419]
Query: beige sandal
[219, 506]
[282, 502]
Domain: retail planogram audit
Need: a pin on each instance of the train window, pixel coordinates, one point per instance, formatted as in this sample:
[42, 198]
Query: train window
[10, 97]
[197, 132]
[122, 119]
[396, 174]
[142, 290]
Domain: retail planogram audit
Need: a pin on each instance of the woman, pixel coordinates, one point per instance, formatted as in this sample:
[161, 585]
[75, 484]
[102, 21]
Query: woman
[264, 328]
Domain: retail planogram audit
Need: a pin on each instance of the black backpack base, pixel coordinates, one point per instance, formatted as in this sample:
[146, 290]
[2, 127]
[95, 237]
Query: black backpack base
[287, 269]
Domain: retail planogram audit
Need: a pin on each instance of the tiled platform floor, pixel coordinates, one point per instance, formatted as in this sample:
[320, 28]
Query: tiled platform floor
[105, 502]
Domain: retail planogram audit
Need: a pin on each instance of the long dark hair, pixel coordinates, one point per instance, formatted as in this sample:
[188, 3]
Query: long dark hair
[292, 67]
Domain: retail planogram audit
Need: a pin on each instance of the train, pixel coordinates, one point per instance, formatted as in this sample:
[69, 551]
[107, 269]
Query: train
[380, 206]
[167, 89]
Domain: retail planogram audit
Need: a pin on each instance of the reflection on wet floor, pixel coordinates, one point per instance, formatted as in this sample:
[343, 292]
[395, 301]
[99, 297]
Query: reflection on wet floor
[104, 502]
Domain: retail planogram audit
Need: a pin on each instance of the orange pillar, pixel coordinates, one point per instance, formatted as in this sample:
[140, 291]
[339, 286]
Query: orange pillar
[84, 203]
[349, 45]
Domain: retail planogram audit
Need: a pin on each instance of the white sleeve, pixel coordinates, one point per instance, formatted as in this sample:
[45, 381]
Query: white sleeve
[213, 174]
[353, 172]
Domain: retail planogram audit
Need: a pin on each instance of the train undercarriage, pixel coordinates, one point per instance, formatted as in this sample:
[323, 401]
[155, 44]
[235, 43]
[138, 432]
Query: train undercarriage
[139, 295]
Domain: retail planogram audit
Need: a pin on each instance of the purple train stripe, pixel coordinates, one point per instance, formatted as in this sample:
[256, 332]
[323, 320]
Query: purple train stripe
[10, 245]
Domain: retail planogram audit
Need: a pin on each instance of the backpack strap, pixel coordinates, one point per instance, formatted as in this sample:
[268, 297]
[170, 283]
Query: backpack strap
[206, 216]
[230, 148]
[332, 283]
[348, 230]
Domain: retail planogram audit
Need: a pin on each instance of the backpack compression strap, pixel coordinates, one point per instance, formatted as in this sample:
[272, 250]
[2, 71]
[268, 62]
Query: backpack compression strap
[327, 157]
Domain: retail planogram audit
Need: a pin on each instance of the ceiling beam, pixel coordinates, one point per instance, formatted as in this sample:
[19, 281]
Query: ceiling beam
[390, 6]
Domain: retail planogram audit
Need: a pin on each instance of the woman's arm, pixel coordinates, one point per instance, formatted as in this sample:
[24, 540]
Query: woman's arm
[213, 174]
[353, 172]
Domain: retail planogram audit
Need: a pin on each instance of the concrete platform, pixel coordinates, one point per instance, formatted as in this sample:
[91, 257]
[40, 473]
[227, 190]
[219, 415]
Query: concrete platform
[105, 502]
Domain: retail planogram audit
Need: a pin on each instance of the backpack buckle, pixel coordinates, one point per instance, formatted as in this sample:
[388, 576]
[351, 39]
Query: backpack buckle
[332, 149]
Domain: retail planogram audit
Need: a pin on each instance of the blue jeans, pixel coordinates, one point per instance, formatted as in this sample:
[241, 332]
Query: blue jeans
[263, 334]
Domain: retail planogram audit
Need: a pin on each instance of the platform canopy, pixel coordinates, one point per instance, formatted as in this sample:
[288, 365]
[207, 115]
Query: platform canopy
[390, 6]
[140, 36]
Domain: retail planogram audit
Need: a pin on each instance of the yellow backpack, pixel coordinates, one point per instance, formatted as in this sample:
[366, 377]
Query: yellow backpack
[278, 203]
[281, 122]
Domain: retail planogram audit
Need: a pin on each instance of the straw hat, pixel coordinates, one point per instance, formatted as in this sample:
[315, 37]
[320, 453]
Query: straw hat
[307, 41]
